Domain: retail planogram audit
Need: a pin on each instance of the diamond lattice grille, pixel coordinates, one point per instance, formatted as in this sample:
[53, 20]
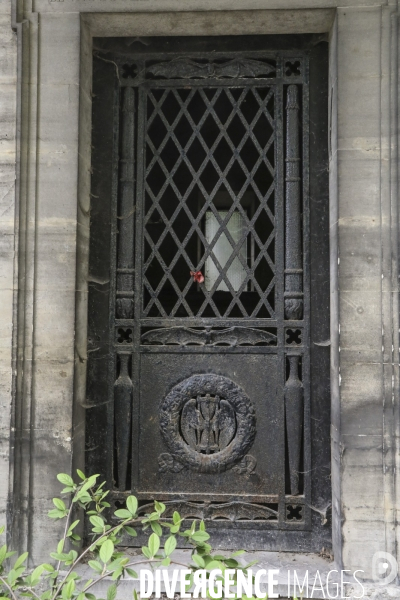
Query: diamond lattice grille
[210, 152]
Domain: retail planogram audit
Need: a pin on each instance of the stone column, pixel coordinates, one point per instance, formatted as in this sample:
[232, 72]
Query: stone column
[50, 55]
[8, 239]
[364, 288]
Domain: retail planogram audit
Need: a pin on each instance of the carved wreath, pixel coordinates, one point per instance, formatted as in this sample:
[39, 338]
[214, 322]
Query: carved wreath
[213, 403]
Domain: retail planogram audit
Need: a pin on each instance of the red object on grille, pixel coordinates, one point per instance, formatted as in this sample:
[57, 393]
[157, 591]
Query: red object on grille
[197, 276]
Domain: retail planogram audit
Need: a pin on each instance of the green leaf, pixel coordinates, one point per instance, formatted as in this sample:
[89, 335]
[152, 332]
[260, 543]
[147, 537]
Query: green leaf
[154, 544]
[59, 556]
[2, 529]
[72, 527]
[90, 596]
[202, 526]
[135, 596]
[154, 516]
[84, 498]
[166, 562]
[65, 479]
[199, 560]
[87, 485]
[215, 564]
[56, 514]
[132, 573]
[156, 528]
[60, 546]
[175, 529]
[238, 553]
[130, 531]
[205, 549]
[69, 588]
[132, 504]
[35, 577]
[106, 551]
[117, 573]
[83, 477]
[20, 560]
[176, 517]
[200, 536]
[146, 552]
[112, 592]
[122, 513]
[159, 506]
[48, 567]
[3, 552]
[58, 503]
[170, 545]
[231, 563]
[95, 565]
[97, 521]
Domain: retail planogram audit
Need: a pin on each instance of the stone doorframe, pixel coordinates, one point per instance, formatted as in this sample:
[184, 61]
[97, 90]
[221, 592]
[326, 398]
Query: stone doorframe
[55, 58]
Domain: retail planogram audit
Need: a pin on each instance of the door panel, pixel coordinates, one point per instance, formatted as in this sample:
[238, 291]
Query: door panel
[207, 395]
[262, 478]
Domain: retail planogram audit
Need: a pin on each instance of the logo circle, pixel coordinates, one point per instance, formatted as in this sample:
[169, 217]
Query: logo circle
[208, 423]
[384, 568]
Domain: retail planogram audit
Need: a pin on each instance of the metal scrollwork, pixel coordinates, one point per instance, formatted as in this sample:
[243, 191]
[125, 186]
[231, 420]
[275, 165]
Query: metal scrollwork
[208, 423]
[246, 467]
[166, 463]
[184, 68]
[186, 336]
[234, 511]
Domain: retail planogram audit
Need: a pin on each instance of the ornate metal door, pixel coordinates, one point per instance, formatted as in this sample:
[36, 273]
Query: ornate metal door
[200, 332]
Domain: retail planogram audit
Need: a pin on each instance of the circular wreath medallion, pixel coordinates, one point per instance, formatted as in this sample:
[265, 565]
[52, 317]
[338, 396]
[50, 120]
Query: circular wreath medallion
[208, 423]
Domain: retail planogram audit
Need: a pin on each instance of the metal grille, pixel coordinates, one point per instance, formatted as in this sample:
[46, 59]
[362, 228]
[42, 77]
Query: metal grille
[209, 151]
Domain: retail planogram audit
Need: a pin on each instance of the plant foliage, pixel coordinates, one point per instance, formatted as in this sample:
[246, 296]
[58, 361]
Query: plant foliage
[59, 579]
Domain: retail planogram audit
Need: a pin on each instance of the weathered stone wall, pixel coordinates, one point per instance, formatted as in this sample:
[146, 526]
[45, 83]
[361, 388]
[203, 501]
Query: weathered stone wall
[8, 214]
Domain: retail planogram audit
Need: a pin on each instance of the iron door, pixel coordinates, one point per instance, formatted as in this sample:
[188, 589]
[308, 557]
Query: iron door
[208, 374]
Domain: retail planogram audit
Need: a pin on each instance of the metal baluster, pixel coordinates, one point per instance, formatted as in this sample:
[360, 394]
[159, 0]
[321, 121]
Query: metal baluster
[124, 303]
[293, 242]
[122, 417]
[294, 399]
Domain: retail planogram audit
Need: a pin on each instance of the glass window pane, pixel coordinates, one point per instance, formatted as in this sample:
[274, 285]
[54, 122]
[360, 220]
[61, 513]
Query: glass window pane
[222, 250]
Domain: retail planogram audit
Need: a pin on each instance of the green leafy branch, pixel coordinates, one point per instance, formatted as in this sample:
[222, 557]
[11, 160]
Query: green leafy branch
[59, 579]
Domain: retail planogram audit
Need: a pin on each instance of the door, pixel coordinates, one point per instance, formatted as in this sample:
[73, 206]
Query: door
[201, 368]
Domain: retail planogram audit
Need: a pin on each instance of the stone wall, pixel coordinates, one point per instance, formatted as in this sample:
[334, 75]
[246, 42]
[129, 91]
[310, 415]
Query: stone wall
[8, 240]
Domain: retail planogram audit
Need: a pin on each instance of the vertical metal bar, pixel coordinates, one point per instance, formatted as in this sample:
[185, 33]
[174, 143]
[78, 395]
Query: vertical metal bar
[279, 214]
[293, 246]
[124, 282]
[125, 267]
[140, 207]
[122, 417]
[112, 363]
[305, 369]
[294, 398]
